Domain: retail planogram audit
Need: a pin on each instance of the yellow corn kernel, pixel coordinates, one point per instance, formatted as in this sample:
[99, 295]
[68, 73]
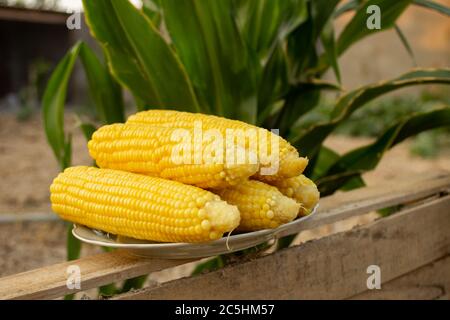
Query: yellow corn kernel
[140, 207]
[302, 190]
[290, 163]
[167, 153]
[261, 206]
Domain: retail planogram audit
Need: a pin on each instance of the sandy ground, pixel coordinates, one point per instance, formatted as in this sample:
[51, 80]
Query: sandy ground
[27, 164]
[27, 167]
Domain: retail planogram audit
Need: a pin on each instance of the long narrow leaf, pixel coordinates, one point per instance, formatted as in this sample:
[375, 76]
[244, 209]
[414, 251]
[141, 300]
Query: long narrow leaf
[105, 92]
[88, 130]
[302, 41]
[353, 5]
[329, 44]
[133, 283]
[138, 55]
[322, 12]
[274, 82]
[207, 40]
[53, 117]
[433, 5]
[67, 158]
[405, 43]
[310, 139]
[53, 106]
[153, 11]
[346, 7]
[108, 290]
[366, 158]
[352, 101]
[73, 250]
[264, 23]
[330, 184]
[300, 99]
[357, 29]
[325, 160]
[298, 102]
[301, 49]
[353, 183]
[209, 265]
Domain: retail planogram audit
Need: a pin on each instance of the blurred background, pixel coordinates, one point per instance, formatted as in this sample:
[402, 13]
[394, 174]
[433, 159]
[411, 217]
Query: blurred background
[34, 37]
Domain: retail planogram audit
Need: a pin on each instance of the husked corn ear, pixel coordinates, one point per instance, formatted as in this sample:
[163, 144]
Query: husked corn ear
[302, 190]
[261, 206]
[140, 207]
[290, 163]
[154, 151]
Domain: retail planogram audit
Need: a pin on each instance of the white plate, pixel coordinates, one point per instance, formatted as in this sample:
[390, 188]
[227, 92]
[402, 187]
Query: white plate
[186, 250]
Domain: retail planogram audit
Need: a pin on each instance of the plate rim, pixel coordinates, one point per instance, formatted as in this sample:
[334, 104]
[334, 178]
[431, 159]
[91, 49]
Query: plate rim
[179, 245]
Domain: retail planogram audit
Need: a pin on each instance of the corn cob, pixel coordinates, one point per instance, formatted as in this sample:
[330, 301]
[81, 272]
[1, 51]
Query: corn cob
[290, 163]
[151, 151]
[141, 207]
[302, 190]
[261, 206]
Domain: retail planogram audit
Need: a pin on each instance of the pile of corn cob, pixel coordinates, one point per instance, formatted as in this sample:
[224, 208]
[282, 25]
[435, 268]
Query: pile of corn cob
[138, 191]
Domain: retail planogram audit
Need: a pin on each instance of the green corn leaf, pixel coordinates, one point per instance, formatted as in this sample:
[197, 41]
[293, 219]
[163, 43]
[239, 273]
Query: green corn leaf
[108, 290]
[330, 184]
[325, 159]
[346, 7]
[302, 41]
[105, 92]
[310, 139]
[224, 259]
[298, 102]
[73, 244]
[300, 99]
[138, 56]
[366, 158]
[87, 129]
[274, 82]
[152, 9]
[356, 5]
[67, 158]
[440, 8]
[354, 183]
[405, 43]
[207, 40]
[53, 103]
[73, 250]
[133, 283]
[69, 297]
[357, 29]
[329, 44]
[111, 289]
[264, 23]
[285, 242]
[355, 99]
[322, 11]
[301, 49]
[130, 77]
[210, 265]
[53, 107]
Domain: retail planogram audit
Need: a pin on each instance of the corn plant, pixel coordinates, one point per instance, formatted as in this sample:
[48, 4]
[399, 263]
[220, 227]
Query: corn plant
[260, 61]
